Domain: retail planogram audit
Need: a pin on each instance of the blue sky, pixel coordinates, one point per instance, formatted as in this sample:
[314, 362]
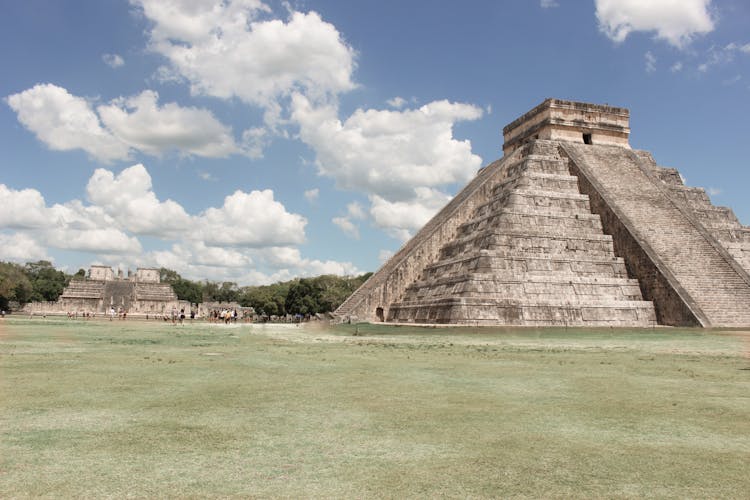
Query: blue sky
[255, 141]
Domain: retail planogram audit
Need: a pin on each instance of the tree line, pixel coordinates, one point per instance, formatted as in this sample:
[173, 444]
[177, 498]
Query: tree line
[40, 281]
[317, 295]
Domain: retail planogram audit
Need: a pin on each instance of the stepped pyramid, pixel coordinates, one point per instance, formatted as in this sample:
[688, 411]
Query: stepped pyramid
[571, 227]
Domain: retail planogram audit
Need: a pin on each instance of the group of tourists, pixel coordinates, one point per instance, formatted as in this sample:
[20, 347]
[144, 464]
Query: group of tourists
[223, 316]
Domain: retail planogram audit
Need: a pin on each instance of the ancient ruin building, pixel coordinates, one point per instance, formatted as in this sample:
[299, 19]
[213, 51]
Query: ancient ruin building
[571, 227]
[139, 294]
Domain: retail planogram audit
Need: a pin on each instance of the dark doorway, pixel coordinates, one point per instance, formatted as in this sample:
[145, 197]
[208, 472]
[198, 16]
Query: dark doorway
[587, 139]
[379, 314]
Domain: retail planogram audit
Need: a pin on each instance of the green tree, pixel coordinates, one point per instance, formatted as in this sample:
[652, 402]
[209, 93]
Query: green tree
[168, 275]
[188, 290]
[80, 274]
[47, 283]
[14, 285]
[303, 297]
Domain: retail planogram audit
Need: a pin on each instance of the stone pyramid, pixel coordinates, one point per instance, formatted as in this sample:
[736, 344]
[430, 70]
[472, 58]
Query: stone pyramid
[571, 227]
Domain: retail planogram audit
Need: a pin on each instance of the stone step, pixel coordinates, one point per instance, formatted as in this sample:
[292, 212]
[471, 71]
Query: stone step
[487, 261]
[532, 243]
[540, 287]
[539, 182]
[514, 312]
[692, 259]
[514, 220]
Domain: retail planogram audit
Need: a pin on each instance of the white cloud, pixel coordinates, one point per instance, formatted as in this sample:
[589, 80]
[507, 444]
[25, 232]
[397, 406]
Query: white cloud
[245, 219]
[397, 157]
[98, 240]
[386, 152]
[396, 102]
[739, 47]
[347, 226]
[254, 141]
[402, 219]
[24, 209]
[354, 211]
[144, 125]
[291, 263]
[70, 226]
[311, 195]
[650, 62]
[252, 219]
[19, 247]
[676, 67]
[113, 60]
[675, 21]
[713, 191]
[548, 4]
[718, 56]
[129, 200]
[65, 122]
[224, 50]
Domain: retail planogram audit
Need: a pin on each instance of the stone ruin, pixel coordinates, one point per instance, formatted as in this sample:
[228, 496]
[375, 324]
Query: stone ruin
[571, 227]
[141, 294]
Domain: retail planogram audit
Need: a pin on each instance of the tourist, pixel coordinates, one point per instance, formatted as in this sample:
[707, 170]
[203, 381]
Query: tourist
[182, 316]
[111, 313]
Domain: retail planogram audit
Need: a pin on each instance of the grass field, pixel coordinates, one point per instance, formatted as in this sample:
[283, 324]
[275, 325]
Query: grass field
[136, 409]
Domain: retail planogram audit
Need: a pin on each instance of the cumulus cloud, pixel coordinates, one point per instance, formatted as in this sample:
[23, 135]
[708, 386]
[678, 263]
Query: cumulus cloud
[402, 219]
[399, 158]
[252, 219]
[144, 125]
[387, 152]
[675, 21]
[65, 122]
[232, 241]
[224, 49]
[113, 60]
[129, 199]
[70, 226]
[24, 209]
[650, 62]
[288, 262]
[19, 247]
[245, 219]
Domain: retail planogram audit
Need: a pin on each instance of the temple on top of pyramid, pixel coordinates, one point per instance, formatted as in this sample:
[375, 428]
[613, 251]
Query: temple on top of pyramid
[571, 227]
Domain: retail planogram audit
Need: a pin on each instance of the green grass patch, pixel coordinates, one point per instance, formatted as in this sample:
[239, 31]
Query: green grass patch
[138, 409]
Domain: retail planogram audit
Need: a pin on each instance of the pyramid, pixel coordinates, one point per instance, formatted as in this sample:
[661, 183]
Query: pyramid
[571, 227]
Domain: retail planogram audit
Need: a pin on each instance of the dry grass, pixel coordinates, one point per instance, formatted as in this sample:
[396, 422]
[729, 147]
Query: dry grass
[114, 409]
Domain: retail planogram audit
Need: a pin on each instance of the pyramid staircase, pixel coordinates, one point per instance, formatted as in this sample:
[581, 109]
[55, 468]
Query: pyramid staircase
[675, 228]
[532, 255]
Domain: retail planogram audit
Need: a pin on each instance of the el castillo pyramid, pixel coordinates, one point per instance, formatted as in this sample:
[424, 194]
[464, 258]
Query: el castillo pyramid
[570, 227]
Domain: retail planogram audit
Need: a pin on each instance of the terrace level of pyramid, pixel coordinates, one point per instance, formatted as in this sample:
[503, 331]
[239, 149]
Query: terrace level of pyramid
[571, 227]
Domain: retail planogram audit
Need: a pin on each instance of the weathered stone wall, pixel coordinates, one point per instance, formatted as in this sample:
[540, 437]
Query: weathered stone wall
[692, 264]
[640, 261]
[150, 275]
[557, 119]
[373, 299]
